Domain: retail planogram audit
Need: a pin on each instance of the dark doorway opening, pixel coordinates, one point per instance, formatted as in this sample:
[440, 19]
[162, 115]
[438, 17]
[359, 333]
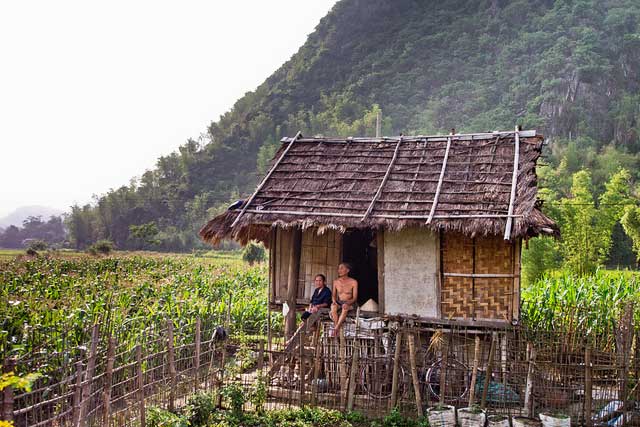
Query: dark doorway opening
[359, 248]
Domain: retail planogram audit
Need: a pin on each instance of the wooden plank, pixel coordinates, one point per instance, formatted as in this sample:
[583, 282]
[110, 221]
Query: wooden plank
[528, 393]
[346, 215]
[434, 205]
[414, 373]
[384, 181]
[380, 262]
[417, 138]
[487, 379]
[479, 275]
[514, 182]
[273, 168]
[396, 370]
[474, 371]
[515, 310]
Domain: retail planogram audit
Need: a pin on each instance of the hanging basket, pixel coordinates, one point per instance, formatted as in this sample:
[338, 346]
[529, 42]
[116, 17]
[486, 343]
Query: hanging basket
[497, 421]
[555, 420]
[525, 422]
[472, 417]
[442, 416]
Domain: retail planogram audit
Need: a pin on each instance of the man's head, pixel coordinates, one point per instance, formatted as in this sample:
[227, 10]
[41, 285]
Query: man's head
[344, 268]
[320, 280]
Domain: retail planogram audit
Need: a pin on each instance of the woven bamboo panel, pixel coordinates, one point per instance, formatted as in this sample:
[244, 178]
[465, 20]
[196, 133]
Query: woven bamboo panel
[457, 292]
[479, 298]
[319, 254]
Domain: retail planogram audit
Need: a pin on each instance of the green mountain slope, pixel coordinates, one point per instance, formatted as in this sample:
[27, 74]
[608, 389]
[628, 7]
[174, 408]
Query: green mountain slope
[570, 69]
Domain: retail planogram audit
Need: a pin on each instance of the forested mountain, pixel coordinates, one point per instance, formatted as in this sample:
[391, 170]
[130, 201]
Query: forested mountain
[568, 68]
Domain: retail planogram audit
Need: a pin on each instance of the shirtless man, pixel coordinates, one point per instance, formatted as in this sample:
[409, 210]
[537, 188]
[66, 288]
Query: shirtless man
[345, 295]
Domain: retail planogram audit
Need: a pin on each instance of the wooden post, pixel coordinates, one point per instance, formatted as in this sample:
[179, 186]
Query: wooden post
[172, 366]
[260, 354]
[487, 379]
[108, 381]
[414, 373]
[474, 372]
[77, 395]
[443, 373]
[88, 375]
[292, 282]
[343, 368]
[396, 369]
[7, 393]
[354, 366]
[301, 367]
[316, 367]
[223, 358]
[196, 357]
[528, 396]
[141, 385]
[588, 375]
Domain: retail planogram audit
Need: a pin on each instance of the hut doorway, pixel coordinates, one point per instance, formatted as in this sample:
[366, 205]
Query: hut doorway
[359, 248]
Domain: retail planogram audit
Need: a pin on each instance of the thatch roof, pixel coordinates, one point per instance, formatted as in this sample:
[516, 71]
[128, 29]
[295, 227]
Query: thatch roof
[392, 183]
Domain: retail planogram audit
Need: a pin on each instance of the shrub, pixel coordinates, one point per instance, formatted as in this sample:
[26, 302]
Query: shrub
[235, 398]
[254, 252]
[37, 245]
[103, 247]
[199, 408]
[157, 417]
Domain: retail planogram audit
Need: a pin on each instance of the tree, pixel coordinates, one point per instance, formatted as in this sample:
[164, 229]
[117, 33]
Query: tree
[254, 252]
[146, 234]
[631, 224]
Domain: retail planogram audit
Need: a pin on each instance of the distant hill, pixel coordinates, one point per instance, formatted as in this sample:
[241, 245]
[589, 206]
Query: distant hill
[567, 68]
[19, 215]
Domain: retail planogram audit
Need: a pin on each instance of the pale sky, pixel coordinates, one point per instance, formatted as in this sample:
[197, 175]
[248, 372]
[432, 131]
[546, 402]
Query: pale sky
[92, 93]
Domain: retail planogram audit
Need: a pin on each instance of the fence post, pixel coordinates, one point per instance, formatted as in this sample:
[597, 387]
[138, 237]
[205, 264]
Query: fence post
[528, 393]
[588, 374]
[487, 379]
[108, 381]
[396, 368]
[474, 372]
[316, 366]
[172, 366]
[414, 373]
[301, 369]
[260, 354]
[196, 361]
[77, 395]
[7, 393]
[88, 375]
[443, 372]
[140, 385]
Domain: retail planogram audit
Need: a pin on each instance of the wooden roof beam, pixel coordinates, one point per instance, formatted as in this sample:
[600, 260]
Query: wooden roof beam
[514, 184]
[434, 205]
[264, 181]
[384, 180]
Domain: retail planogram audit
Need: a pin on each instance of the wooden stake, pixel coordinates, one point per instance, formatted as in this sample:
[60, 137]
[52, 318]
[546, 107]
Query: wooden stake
[343, 368]
[316, 366]
[414, 372]
[528, 393]
[354, 365]
[301, 369]
[487, 379]
[588, 394]
[260, 354]
[434, 205]
[172, 367]
[141, 386]
[474, 372]
[396, 370]
[196, 357]
[88, 375]
[7, 393]
[77, 395]
[108, 381]
[383, 182]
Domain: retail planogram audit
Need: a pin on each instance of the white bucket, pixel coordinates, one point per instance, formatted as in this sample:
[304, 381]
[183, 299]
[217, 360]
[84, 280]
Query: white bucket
[472, 417]
[497, 421]
[525, 422]
[551, 420]
[442, 416]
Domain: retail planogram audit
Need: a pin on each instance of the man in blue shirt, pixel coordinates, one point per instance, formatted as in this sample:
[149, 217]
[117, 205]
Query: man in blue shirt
[321, 297]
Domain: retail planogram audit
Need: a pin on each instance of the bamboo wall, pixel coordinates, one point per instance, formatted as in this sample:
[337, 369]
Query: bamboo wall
[479, 297]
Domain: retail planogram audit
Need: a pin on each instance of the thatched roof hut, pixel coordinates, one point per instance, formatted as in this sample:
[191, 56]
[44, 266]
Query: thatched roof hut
[461, 187]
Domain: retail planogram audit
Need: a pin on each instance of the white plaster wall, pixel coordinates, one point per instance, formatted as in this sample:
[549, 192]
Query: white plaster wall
[410, 266]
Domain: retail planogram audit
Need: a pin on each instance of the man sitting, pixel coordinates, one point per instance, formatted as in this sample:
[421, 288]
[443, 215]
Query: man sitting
[345, 295]
[321, 297]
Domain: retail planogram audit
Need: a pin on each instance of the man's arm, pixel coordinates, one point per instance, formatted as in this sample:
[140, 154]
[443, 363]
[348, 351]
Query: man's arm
[334, 293]
[355, 293]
